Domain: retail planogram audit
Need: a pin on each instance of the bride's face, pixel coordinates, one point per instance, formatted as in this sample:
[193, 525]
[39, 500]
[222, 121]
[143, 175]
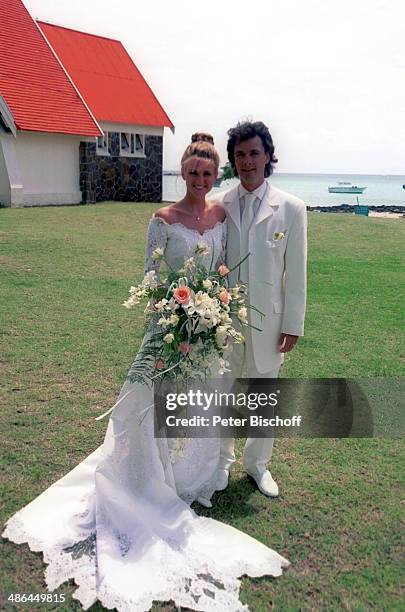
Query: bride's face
[200, 175]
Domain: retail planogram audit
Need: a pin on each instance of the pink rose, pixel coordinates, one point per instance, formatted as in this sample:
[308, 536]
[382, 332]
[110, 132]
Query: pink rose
[223, 270]
[182, 295]
[184, 348]
[224, 296]
[160, 364]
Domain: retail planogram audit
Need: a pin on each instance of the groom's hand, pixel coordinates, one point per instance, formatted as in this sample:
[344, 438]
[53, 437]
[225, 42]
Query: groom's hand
[286, 342]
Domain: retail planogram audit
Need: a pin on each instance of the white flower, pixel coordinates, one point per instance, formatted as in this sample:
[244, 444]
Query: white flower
[189, 263]
[148, 307]
[223, 366]
[157, 253]
[242, 314]
[159, 306]
[201, 303]
[202, 249]
[135, 293]
[238, 292]
[163, 322]
[225, 318]
[174, 319]
[208, 320]
[221, 331]
[207, 284]
[168, 338]
[207, 309]
[131, 301]
[172, 304]
[150, 280]
[237, 337]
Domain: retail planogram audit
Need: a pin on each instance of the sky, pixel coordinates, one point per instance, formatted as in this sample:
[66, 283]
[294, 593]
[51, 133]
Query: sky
[328, 78]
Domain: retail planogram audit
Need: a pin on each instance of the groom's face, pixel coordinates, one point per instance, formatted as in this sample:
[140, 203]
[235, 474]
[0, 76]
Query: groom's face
[250, 162]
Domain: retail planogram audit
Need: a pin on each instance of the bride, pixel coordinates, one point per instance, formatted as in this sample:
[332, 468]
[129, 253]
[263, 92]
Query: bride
[120, 523]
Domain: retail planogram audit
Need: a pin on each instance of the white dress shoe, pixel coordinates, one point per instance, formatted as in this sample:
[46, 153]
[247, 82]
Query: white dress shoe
[266, 484]
[222, 480]
[204, 502]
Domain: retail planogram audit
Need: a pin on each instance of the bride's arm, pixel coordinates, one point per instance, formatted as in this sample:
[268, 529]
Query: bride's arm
[156, 239]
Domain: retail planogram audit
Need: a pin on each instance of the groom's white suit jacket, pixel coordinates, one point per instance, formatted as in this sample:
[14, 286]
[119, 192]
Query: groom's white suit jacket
[277, 268]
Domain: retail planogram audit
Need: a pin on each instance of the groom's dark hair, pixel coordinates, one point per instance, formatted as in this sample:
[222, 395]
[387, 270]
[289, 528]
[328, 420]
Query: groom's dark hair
[249, 129]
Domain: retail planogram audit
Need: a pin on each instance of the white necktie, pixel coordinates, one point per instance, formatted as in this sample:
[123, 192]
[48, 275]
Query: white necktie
[247, 218]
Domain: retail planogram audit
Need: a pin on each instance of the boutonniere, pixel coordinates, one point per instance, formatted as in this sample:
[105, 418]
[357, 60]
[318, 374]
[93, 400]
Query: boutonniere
[278, 235]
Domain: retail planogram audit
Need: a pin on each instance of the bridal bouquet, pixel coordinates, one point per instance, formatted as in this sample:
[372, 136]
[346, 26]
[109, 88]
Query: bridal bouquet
[189, 320]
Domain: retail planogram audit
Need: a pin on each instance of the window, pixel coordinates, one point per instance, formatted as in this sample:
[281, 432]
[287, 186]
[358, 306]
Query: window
[125, 143]
[140, 144]
[132, 145]
[102, 144]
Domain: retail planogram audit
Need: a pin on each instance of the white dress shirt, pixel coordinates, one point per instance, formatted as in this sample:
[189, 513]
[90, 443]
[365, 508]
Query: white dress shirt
[258, 192]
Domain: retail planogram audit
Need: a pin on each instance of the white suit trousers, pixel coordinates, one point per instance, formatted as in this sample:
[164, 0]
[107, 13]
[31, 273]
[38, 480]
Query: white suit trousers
[257, 452]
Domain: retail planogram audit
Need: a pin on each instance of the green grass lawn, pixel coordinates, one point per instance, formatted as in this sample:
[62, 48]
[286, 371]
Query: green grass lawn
[66, 346]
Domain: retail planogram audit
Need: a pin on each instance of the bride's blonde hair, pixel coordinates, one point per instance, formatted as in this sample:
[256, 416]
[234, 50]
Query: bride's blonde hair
[202, 145]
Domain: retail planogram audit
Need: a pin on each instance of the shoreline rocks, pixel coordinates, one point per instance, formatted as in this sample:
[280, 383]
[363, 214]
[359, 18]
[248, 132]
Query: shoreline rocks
[349, 208]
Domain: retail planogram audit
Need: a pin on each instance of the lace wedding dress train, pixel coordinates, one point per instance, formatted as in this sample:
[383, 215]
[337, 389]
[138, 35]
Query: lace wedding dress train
[120, 523]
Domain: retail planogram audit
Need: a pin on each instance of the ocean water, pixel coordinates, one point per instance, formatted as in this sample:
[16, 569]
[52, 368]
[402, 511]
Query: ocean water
[313, 188]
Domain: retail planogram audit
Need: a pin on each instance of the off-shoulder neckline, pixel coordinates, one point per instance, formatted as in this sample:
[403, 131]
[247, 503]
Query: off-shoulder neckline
[190, 229]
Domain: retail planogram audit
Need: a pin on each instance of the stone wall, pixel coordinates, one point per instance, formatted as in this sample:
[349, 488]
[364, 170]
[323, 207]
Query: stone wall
[125, 179]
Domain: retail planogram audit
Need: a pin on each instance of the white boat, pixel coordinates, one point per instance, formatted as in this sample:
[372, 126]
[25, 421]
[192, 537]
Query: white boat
[345, 187]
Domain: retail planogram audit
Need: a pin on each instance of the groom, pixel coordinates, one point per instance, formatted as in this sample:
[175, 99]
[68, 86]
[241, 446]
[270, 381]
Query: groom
[270, 225]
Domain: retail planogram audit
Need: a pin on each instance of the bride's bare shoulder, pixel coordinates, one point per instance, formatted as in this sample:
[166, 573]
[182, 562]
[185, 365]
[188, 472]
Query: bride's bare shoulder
[166, 213]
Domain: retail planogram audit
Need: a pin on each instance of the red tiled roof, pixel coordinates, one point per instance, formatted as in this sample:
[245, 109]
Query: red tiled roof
[106, 77]
[33, 83]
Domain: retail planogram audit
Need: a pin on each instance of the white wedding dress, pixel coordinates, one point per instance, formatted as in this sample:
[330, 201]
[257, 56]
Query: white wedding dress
[120, 523]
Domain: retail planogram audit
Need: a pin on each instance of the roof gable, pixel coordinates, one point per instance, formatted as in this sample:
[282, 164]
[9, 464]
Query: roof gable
[106, 77]
[35, 86]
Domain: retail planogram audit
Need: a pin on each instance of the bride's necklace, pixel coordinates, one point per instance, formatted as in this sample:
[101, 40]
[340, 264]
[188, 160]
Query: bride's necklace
[199, 216]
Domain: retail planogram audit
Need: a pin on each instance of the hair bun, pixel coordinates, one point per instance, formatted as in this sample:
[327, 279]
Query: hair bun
[202, 137]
